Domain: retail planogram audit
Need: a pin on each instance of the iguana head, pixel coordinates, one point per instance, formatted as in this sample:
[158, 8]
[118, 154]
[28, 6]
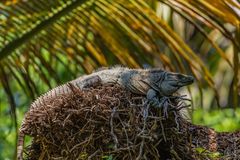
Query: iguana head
[170, 82]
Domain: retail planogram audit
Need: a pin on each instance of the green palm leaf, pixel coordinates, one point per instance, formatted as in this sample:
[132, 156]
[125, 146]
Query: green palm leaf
[43, 42]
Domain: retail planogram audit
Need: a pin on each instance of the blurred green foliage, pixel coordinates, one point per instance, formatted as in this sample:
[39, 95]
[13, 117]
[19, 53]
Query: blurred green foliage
[206, 154]
[7, 128]
[221, 120]
[7, 131]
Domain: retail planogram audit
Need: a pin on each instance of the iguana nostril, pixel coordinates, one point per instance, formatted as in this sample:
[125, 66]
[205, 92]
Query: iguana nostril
[191, 79]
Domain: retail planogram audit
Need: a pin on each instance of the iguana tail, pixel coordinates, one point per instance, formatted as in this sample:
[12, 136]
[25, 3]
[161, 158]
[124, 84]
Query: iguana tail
[20, 145]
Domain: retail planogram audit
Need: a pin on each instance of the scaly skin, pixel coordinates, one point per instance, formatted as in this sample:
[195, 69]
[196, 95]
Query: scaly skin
[153, 83]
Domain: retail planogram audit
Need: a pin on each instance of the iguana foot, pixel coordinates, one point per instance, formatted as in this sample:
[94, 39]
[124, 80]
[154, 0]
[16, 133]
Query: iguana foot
[155, 101]
[164, 104]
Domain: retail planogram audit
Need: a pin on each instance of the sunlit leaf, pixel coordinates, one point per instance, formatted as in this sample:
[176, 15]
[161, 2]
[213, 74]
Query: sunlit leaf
[50, 42]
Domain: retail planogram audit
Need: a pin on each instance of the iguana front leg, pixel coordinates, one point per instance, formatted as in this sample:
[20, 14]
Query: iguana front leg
[158, 102]
[152, 98]
[91, 82]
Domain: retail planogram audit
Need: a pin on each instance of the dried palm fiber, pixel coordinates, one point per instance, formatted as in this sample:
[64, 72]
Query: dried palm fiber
[110, 122]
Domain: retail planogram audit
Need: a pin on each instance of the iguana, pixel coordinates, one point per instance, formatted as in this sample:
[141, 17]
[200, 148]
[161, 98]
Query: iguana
[153, 83]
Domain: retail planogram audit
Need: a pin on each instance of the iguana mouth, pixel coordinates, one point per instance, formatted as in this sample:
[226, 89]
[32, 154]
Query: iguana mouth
[186, 81]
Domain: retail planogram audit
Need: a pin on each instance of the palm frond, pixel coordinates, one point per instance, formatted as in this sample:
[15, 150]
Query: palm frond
[47, 42]
[216, 15]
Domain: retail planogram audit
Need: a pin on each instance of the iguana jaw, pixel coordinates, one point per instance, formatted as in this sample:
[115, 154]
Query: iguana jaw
[184, 81]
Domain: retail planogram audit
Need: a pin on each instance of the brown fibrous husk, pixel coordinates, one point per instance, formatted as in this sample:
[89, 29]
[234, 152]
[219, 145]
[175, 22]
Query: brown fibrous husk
[112, 123]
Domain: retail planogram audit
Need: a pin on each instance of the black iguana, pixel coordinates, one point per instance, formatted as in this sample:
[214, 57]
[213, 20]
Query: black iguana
[153, 83]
